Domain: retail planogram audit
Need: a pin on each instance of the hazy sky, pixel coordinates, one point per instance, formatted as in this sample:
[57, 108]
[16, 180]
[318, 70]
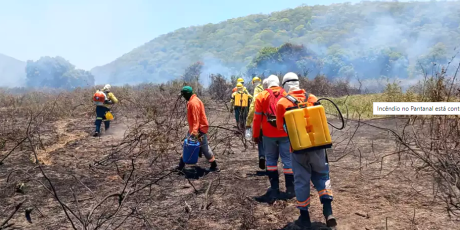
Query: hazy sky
[90, 33]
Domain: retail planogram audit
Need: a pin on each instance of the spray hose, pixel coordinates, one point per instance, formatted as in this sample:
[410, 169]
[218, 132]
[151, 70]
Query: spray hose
[338, 110]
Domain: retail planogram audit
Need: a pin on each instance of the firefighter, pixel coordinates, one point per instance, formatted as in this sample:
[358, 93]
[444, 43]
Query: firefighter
[258, 88]
[308, 165]
[276, 142]
[198, 127]
[240, 103]
[240, 80]
[102, 109]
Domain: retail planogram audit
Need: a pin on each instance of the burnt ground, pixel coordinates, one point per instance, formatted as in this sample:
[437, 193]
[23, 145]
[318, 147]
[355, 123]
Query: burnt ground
[370, 192]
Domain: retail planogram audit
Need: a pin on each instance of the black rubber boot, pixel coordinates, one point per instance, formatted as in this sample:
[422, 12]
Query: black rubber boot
[304, 221]
[327, 212]
[214, 167]
[331, 222]
[262, 162]
[273, 192]
[290, 191]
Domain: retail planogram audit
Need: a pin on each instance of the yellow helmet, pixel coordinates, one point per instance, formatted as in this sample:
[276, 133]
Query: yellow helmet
[240, 80]
[239, 85]
[255, 79]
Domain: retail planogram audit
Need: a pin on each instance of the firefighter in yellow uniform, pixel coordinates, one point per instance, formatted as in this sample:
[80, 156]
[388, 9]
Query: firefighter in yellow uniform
[240, 103]
[258, 88]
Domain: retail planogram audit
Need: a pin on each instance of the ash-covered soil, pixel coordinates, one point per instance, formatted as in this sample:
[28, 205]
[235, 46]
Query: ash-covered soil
[373, 188]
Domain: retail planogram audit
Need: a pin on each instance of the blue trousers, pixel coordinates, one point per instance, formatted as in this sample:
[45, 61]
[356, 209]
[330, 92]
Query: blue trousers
[275, 148]
[100, 115]
[311, 166]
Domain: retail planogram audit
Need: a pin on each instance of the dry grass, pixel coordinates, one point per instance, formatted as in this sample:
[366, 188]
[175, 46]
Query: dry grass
[384, 171]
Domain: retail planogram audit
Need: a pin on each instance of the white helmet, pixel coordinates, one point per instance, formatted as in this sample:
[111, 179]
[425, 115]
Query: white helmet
[273, 80]
[290, 77]
[107, 87]
[291, 82]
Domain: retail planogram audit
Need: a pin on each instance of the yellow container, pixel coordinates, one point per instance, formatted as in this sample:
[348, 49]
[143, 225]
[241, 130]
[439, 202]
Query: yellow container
[241, 99]
[307, 127]
[109, 116]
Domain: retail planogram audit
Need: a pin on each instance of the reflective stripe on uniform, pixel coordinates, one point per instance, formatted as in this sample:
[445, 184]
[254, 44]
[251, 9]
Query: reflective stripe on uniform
[99, 118]
[303, 203]
[325, 192]
[288, 171]
[272, 168]
[258, 113]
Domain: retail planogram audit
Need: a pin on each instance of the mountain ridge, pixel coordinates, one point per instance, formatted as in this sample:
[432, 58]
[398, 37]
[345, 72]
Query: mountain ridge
[337, 33]
[12, 71]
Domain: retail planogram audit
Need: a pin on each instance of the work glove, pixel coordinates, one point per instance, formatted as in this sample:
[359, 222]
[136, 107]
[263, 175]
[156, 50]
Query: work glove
[256, 140]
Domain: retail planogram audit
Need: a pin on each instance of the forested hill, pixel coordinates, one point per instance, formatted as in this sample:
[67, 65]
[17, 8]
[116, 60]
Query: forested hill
[12, 72]
[349, 39]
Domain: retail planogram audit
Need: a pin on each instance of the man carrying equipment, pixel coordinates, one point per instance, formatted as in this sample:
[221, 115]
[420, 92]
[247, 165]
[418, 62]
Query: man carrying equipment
[257, 83]
[102, 98]
[308, 165]
[198, 127]
[276, 142]
[240, 102]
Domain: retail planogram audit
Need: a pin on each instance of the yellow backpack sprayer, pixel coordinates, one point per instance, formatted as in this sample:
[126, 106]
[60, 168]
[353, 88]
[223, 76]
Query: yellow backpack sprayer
[241, 99]
[307, 126]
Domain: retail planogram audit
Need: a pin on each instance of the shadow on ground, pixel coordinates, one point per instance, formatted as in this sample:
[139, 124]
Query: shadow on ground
[315, 226]
[195, 172]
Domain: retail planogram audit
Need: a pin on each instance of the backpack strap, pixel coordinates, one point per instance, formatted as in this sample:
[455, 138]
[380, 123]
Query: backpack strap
[270, 91]
[307, 96]
[295, 101]
[292, 99]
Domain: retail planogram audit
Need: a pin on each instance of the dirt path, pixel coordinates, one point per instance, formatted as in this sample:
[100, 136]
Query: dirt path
[64, 137]
[367, 195]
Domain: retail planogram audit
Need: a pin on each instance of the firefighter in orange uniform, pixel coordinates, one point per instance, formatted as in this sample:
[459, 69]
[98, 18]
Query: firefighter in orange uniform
[198, 127]
[308, 165]
[276, 142]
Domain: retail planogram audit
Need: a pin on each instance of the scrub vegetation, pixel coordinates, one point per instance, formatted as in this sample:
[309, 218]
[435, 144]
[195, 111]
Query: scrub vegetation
[395, 173]
[387, 172]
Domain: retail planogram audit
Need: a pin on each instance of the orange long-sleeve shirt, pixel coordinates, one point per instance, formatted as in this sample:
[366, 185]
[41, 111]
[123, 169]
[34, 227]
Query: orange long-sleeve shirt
[196, 116]
[284, 104]
[261, 107]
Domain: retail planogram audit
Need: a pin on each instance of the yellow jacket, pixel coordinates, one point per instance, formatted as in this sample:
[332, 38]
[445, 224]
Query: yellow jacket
[250, 118]
[111, 97]
[235, 93]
